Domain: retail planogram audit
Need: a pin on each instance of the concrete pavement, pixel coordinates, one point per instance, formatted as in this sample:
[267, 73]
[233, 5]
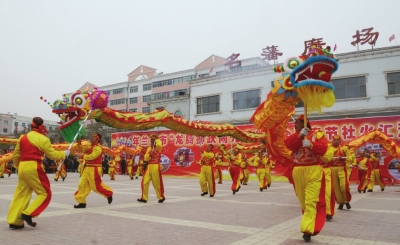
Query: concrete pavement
[249, 217]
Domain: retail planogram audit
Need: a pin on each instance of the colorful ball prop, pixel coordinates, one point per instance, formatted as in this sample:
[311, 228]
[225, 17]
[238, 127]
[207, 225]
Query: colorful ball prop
[98, 99]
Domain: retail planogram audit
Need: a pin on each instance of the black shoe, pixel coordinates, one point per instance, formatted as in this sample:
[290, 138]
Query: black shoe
[1, 176]
[109, 199]
[328, 217]
[306, 237]
[261, 189]
[340, 206]
[136, 178]
[204, 193]
[80, 205]
[211, 195]
[364, 191]
[359, 191]
[161, 200]
[63, 179]
[369, 190]
[219, 182]
[28, 220]
[141, 200]
[269, 185]
[265, 187]
[348, 206]
[16, 227]
[233, 192]
[382, 189]
[132, 178]
[238, 188]
[9, 174]
[56, 179]
[245, 184]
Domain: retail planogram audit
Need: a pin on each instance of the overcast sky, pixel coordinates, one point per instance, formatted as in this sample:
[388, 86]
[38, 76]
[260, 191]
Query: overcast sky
[48, 48]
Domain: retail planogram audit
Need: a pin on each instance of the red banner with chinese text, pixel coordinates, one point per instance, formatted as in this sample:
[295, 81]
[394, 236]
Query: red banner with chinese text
[181, 152]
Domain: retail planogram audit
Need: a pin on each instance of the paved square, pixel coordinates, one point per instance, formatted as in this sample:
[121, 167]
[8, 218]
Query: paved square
[249, 217]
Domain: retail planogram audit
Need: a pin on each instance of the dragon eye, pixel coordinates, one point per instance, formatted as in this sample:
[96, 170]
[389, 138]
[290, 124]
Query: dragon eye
[78, 100]
[291, 63]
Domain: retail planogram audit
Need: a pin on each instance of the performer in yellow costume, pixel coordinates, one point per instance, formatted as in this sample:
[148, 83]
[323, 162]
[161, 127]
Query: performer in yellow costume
[342, 158]
[245, 170]
[111, 168]
[217, 167]
[363, 165]
[129, 166]
[375, 173]
[153, 171]
[28, 157]
[234, 170]
[329, 194]
[91, 175]
[140, 162]
[268, 165]
[62, 172]
[3, 168]
[308, 176]
[207, 181]
[81, 166]
[259, 161]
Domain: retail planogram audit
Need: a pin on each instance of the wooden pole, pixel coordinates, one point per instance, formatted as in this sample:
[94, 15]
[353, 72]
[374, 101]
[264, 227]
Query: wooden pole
[305, 116]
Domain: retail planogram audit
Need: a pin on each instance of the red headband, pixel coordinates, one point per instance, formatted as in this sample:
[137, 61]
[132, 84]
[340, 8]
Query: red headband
[41, 129]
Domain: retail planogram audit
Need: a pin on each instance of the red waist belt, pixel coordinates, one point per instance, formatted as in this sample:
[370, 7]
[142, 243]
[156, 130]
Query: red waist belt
[93, 165]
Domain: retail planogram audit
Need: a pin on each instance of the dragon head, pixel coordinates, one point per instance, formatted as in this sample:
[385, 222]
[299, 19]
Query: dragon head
[307, 77]
[75, 108]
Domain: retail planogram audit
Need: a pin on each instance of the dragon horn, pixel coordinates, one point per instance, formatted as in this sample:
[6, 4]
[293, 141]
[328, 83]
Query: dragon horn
[278, 69]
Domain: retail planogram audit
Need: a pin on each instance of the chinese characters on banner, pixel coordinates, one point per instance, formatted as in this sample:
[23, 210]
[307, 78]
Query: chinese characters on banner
[317, 42]
[271, 53]
[233, 62]
[181, 152]
[367, 37]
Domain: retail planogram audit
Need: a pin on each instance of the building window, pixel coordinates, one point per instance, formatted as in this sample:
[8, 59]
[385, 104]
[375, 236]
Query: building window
[246, 99]
[117, 102]
[178, 113]
[4, 130]
[16, 124]
[118, 91]
[187, 78]
[5, 122]
[352, 87]
[145, 109]
[299, 104]
[133, 89]
[178, 80]
[146, 98]
[133, 100]
[108, 92]
[393, 80]
[147, 87]
[208, 104]
[50, 128]
[23, 125]
[162, 83]
[204, 75]
[133, 110]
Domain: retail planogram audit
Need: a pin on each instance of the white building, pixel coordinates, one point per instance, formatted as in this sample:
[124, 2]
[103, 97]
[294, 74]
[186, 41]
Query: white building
[14, 124]
[367, 83]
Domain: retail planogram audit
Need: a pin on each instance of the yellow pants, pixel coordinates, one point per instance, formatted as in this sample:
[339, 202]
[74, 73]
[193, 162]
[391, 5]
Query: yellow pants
[349, 171]
[31, 178]
[245, 175]
[153, 175]
[375, 176]
[341, 185]
[309, 184]
[60, 173]
[129, 168]
[139, 171]
[111, 172]
[2, 170]
[261, 177]
[329, 195]
[207, 181]
[218, 174]
[80, 169]
[91, 181]
[268, 176]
